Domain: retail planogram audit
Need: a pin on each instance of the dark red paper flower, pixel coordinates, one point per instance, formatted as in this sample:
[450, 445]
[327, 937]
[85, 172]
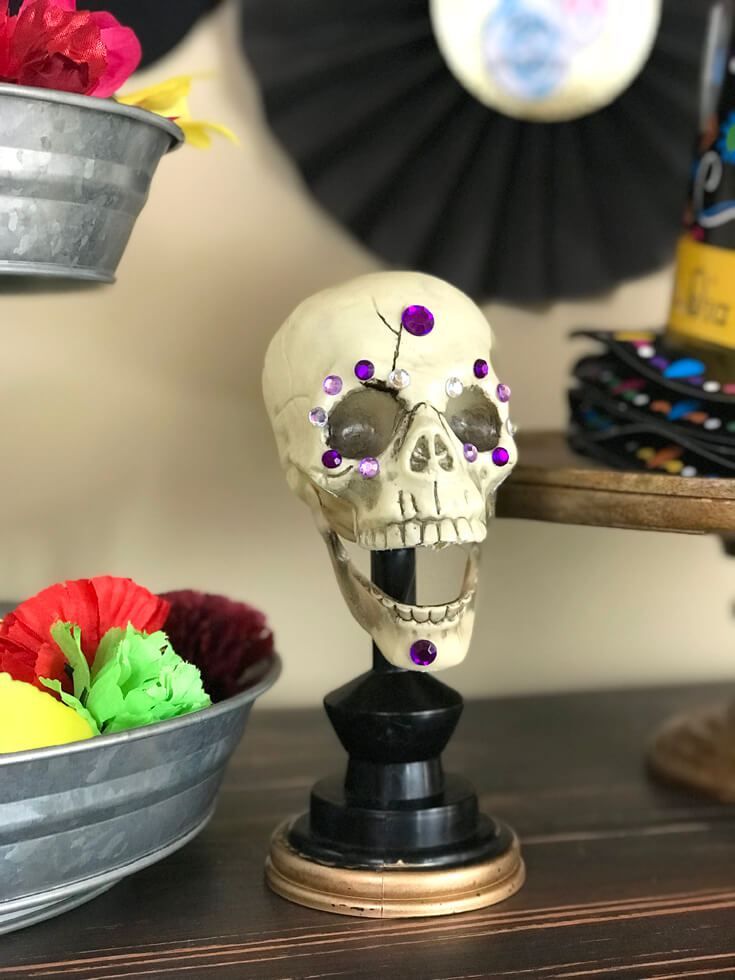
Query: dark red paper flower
[225, 639]
[27, 651]
[51, 44]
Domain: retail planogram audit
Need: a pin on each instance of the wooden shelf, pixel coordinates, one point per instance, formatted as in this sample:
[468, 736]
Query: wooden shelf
[551, 483]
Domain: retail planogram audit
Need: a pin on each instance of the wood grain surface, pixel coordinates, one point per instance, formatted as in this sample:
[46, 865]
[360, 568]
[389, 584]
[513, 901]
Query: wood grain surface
[550, 483]
[626, 879]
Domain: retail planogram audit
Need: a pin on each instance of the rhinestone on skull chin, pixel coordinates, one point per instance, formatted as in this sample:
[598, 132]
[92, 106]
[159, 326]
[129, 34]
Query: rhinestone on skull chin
[454, 387]
[318, 417]
[500, 456]
[331, 459]
[417, 320]
[511, 427]
[480, 368]
[364, 370]
[368, 467]
[503, 392]
[398, 378]
[332, 384]
[423, 653]
[470, 452]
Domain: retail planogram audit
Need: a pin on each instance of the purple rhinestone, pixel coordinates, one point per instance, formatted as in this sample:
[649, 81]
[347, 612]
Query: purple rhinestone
[417, 320]
[500, 456]
[364, 370]
[369, 467]
[470, 452]
[481, 368]
[332, 384]
[503, 393]
[423, 653]
[331, 459]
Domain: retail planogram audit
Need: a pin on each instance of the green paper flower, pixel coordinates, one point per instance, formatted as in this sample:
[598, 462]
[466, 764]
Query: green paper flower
[136, 679]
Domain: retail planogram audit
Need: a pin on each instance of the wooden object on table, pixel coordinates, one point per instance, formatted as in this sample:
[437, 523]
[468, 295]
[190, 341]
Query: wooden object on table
[626, 878]
[551, 483]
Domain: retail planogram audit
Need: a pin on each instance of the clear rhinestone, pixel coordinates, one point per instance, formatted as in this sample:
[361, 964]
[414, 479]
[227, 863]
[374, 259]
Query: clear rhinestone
[318, 417]
[454, 387]
[711, 386]
[399, 378]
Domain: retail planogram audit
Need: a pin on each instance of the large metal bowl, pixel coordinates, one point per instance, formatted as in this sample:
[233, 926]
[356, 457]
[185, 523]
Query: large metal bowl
[75, 819]
[74, 175]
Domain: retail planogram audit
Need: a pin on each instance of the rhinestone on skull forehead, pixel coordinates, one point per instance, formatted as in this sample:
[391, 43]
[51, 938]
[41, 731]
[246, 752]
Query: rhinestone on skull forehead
[417, 320]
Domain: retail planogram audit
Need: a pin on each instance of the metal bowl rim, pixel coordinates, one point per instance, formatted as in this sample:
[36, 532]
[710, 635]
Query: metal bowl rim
[96, 104]
[150, 731]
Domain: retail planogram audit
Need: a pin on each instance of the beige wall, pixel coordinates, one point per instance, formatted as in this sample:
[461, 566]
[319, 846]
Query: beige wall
[135, 441]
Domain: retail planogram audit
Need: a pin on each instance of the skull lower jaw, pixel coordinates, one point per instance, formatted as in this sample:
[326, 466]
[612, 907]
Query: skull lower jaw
[396, 626]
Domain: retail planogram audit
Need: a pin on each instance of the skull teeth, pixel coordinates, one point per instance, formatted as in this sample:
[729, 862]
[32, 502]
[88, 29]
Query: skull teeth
[432, 534]
[421, 615]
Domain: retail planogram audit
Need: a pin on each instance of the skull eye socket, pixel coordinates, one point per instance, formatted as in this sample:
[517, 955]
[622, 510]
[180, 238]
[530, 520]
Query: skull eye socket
[474, 419]
[363, 423]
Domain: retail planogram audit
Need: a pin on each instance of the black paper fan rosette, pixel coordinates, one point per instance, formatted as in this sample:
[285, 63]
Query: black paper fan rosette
[159, 24]
[427, 177]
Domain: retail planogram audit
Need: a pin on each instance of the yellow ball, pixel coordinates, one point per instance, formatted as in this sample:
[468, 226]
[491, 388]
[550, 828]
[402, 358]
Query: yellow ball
[32, 719]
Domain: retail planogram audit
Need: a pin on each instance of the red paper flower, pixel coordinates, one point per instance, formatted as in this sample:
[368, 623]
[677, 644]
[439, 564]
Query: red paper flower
[51, 44]
[225, 639]
[27, 651]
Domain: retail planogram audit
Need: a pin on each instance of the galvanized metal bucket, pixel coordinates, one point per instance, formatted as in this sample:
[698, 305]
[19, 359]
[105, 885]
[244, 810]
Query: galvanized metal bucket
[75, 819]
[74, 175]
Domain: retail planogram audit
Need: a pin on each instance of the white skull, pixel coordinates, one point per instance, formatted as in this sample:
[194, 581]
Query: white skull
[396, 436]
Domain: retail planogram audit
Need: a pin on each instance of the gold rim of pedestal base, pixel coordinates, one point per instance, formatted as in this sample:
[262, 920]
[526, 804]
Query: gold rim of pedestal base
[395, 892]
[697, 750]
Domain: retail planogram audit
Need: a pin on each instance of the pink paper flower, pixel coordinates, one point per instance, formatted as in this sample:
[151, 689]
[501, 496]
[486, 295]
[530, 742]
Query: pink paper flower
[51, 44]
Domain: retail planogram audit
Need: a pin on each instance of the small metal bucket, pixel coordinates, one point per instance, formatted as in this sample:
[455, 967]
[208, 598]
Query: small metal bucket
[74, 175]
[75, 819]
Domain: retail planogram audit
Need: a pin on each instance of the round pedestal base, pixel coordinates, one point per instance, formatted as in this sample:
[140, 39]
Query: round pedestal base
[395, 891]
[697, 750]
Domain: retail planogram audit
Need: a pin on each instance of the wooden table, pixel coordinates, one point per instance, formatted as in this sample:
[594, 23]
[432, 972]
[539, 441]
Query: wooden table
[626, 879]
[550, 483]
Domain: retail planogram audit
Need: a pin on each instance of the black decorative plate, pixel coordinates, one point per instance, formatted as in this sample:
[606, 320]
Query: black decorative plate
[392, 145]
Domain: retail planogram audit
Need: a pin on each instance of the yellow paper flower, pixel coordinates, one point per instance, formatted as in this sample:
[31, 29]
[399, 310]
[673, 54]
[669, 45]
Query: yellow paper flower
[171, 99]
[33, 719]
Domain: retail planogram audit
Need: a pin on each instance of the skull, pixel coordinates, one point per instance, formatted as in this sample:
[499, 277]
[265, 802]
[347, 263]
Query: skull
[391, 424]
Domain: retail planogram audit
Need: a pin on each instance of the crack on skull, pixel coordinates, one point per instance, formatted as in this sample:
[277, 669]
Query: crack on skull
[398, 334]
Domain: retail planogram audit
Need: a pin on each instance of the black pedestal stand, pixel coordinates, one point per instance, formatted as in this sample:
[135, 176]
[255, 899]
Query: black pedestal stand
[395, 835]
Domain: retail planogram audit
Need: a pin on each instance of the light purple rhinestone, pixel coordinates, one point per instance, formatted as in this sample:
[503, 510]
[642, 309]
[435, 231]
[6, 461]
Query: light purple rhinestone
[331, 459]
[480, 368]
[503, 393]
[369, 467]
[423, 653]
[470, 452]
[364, 370]
[332, 384]
[418, 320]
[500, 456]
